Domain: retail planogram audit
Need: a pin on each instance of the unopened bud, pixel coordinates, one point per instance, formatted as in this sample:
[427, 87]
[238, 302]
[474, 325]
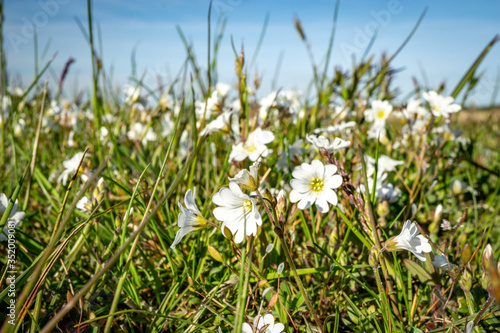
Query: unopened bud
[214, 253]
[434, 227]
[383, 208]
[466, 254]
[262, 283]
[118, 221]
[227, 233]
[373, 258]
[100, 184]
[438, 213]
[487, 258]
[281, 202]
[273, 300]
[281, 267]
[466, 280]
[269, 197]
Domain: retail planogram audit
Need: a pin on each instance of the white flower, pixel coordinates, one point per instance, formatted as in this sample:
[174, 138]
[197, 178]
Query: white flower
[387, 192]
[139, 131]
[379, 112]
[266, 104]
[341, 112]
[237, 212]
[438, 213]
[321, 142]
[190, 218]
[414, 110]
[263, 325]
[221, 123]
[222, 89]
[254, 147]
[377, 131]
[440, 105]
[14, 218]
[440, 261]
[213, 103]
[248, 179]
[336, 129]
[286, 102]
[167, 125]
[132, 94]
[84, 204]
[70, 167]
[410, 239]
[458, 187]
[314, 183]
[384, 191]
[385, 164]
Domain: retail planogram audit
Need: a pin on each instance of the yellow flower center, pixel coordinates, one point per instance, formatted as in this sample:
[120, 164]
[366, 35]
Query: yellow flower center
[317, 184]
[436, 107]
[250, 147]
[200, 222]
[247, 205]
[380, 114]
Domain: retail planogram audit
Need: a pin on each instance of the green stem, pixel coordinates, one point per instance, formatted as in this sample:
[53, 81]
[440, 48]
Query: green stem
[382, 297]
[299, 282]
[243, 287]
[485, 306]
[470, 302]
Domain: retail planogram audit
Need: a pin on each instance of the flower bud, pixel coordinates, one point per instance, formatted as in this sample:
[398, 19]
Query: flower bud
[383, 209]
[373, 258]
[214, 253]
[269, 197]
[262, 283]
[118, 221]
[273, 300]
[434, 228]
[466, 254]
[227, 233]
[458, 187]
[281, 202]
[466, 280]
[100, 184]
[249, 180]
[438, 213]
[487, 258]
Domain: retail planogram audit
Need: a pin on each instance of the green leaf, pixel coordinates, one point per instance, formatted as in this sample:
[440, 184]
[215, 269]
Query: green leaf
[416, 270]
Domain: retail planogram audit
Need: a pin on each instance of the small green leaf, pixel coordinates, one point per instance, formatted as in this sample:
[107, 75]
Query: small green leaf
[418, 271]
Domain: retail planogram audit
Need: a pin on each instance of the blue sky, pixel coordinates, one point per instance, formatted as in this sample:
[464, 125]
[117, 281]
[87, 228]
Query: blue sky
[450, 37]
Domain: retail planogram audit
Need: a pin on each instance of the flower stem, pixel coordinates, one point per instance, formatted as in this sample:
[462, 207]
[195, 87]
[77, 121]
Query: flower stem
[299, 282]
[279, 231]
[485, 306]
[373, 225]
[382, 296]
[470, 304]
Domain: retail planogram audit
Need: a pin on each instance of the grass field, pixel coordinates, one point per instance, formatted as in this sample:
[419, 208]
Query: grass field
[201, 206]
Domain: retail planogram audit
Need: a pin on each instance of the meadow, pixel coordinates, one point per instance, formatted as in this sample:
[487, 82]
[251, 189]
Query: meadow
[197, 206]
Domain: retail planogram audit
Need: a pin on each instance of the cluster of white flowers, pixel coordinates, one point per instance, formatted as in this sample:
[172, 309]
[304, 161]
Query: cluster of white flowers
[384, 191]
[70, 167]
[280, 102]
